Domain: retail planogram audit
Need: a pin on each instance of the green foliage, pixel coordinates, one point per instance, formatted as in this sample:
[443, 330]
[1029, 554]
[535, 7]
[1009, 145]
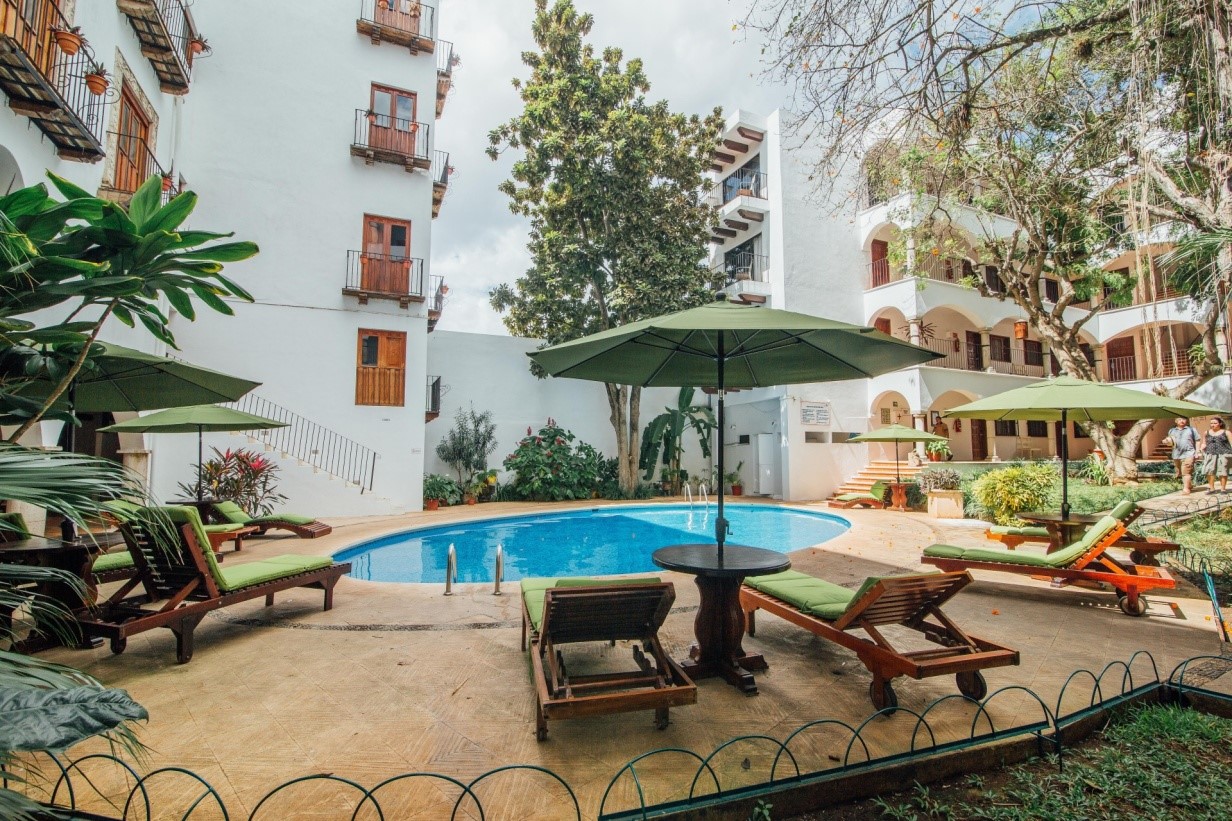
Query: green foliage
[732, 477]
[915, 496]
[612, 186]
[1007, 491]
[549, 468]
[241, 476]
[468, 444]
[936, 446]
[442, 488]
[761, 811]
[1094, 470]
[95, 259]
[938, 479]
[666, 434]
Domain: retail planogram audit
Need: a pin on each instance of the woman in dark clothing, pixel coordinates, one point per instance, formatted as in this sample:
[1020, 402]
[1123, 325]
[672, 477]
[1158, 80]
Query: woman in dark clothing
[1216, 452]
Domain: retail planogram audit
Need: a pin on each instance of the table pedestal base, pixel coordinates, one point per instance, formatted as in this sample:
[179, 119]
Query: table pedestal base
[719, 628]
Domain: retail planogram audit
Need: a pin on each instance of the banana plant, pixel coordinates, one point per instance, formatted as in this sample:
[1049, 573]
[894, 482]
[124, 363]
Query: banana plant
[665, 435]
[96, 259]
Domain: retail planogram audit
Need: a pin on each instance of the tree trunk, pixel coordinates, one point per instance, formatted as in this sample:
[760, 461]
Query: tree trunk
[1122, 451]
[624, 401]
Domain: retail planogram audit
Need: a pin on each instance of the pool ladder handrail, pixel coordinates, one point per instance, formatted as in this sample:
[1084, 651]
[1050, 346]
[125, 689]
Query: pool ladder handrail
[500, 568]
[688, 492]
[451, 569]
[701, 488]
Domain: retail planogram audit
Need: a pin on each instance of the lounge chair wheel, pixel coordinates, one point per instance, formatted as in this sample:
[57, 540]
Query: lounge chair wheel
[118, 644]
[1137, 557]
[1127, 609]
[882, 695]
[972, 685]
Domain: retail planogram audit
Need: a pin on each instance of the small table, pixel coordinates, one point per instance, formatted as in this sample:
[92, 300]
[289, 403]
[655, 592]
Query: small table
[719, 626]
[898, 496]
[74, 557]
[1061, 530]
[217, 540]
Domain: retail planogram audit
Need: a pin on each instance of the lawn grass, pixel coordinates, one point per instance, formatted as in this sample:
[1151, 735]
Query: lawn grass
[1155, 762]
[1083, 497]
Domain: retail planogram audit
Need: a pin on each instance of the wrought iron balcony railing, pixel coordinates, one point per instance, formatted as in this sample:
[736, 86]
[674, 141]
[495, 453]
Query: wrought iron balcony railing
[432, 401]
[409, 23]
[753, 184]
[441, 171]
[742, 267]
[47, 83]
[135, 163]
[166, 33]
[446, 61]
[383, 138]
[384, 276]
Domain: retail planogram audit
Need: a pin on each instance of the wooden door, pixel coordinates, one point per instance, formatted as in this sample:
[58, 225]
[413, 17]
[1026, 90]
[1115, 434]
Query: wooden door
[132, 154]
[975, 351]
[380, 368]
[879, 270]
[403, 15]
[392, 124]
[1122, 361]
[979, 440]
[386, 258]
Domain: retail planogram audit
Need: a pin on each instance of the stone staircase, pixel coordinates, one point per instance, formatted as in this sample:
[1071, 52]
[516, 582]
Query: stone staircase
[881, 470]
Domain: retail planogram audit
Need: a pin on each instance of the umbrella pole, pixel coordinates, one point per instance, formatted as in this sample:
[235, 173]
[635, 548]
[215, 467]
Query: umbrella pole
[199, 494]
[720, 524]
[898, 477]
[1064, 464]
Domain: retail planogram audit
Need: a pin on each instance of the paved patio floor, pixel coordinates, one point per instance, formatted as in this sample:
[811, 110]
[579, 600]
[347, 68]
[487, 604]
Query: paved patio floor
[399, 678]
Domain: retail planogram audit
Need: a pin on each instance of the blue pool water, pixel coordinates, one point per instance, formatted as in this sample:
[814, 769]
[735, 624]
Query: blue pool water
[600, 541]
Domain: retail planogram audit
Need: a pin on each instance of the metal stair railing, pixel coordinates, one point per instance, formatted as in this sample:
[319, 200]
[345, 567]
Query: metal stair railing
[311, 443]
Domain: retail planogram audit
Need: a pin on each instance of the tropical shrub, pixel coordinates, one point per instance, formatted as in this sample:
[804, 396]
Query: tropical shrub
[1006, 492]
[1094, 470]
[665, 434]
[468, 444]
[241, 476]
[938, 479]
[548, 467]
[442, 488]
[915, 496]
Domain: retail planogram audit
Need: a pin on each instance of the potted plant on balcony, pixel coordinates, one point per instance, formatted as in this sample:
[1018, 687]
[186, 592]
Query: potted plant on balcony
[198, 45]
[167, 182]
[69, 40]
[938, 451]
[97, 78]
[733, 478]
[945, 499]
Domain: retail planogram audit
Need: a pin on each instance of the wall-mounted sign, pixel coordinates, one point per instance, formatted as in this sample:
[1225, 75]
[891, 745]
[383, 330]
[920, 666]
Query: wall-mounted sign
[816, 413]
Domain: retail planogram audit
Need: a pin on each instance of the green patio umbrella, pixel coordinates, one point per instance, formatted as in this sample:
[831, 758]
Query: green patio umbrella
[198, 419]
[728, 345]
[1063, 398]
[122, 379]
[896, 434]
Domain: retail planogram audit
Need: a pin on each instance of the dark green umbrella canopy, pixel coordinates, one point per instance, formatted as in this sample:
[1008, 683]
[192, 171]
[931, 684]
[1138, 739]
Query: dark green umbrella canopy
[896, 434]
[1064, 398]
[195, 419]
[122, 379]
[760, 347]
[729, 345]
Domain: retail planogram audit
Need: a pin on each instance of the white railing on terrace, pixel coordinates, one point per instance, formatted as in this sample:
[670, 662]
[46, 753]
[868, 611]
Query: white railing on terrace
[938, 269]
[1125, 369]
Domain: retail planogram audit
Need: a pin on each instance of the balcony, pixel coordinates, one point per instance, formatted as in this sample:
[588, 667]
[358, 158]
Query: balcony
[742, 200]
[384, 276]
[958, 355]
[402, 22]
[441, 171]
[382, 138]
[135, 163]
[753, 184]
[742, 267]
[937, 269]
[45, 83]
[446, 61]
[1125, 369]
[436, 304]
[432, 401]
[166, 33]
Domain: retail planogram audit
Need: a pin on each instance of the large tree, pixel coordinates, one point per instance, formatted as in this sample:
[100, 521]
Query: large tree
[611, 184]
[1044, 102]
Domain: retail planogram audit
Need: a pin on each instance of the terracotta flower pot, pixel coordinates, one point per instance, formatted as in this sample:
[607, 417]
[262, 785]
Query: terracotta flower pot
[737, 490]
[470, 500]
[97, 83]
[431, 504]
[68, 41]
[166, 182]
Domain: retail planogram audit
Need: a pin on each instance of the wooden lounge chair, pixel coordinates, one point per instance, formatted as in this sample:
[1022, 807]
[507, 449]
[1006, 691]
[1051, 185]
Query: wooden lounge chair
[305, 527]
[832, 612]
[1087, 559]
[182, 580]
[566, 611]
[874, 498]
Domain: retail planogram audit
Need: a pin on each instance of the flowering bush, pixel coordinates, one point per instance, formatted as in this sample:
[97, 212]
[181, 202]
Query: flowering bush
[548, 468]
[938, 479]
[241, 476]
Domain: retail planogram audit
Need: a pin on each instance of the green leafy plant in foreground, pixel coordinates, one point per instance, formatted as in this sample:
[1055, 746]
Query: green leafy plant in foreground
[549, 468]
[1006, 492]
[241, 476]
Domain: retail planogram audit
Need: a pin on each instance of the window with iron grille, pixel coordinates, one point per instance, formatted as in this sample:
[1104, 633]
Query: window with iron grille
[1006, 427]
[999, 348]
[1037, 430]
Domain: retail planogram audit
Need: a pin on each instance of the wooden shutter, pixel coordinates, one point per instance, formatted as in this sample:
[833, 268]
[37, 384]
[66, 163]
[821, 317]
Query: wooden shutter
[380, 368]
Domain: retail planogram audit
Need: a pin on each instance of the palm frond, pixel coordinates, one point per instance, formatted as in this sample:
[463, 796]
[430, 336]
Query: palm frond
[1194, 265]
[48, 614]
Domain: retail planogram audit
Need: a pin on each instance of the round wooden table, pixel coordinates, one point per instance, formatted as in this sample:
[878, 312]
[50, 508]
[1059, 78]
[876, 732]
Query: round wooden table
[1062, 530]
[719, 626]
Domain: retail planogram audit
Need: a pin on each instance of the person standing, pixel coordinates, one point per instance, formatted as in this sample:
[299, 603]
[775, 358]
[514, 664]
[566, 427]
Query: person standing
[1184, 449]
[1216, 452]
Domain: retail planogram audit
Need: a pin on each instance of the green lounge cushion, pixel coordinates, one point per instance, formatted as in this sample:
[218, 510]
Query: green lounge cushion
[945, 551]
[113, 561]
[1028, 532]
[235, 514]
[812, 595]
[534, 590]
[180, 515]
[1123, 508]
[1022, 557]
[289, 518]
[852, 497]
[1062, 558]
[238, 576]
[222, 528]
[232, 512]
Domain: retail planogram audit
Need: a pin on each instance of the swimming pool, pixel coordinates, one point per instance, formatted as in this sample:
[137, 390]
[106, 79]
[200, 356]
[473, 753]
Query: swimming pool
[597, 541]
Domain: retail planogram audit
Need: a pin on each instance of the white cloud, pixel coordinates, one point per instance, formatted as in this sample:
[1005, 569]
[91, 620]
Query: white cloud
[692, 57]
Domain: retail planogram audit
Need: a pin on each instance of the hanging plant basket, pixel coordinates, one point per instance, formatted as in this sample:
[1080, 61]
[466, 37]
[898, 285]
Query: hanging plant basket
[68, 40]
[97, 83]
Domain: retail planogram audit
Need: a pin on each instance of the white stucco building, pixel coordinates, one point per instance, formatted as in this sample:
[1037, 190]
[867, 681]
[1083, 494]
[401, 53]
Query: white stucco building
[330, 165]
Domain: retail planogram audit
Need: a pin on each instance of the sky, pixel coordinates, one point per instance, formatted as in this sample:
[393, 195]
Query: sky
[692, 57]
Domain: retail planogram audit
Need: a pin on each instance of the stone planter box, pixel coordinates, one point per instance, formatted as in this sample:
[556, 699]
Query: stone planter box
[945, 504]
